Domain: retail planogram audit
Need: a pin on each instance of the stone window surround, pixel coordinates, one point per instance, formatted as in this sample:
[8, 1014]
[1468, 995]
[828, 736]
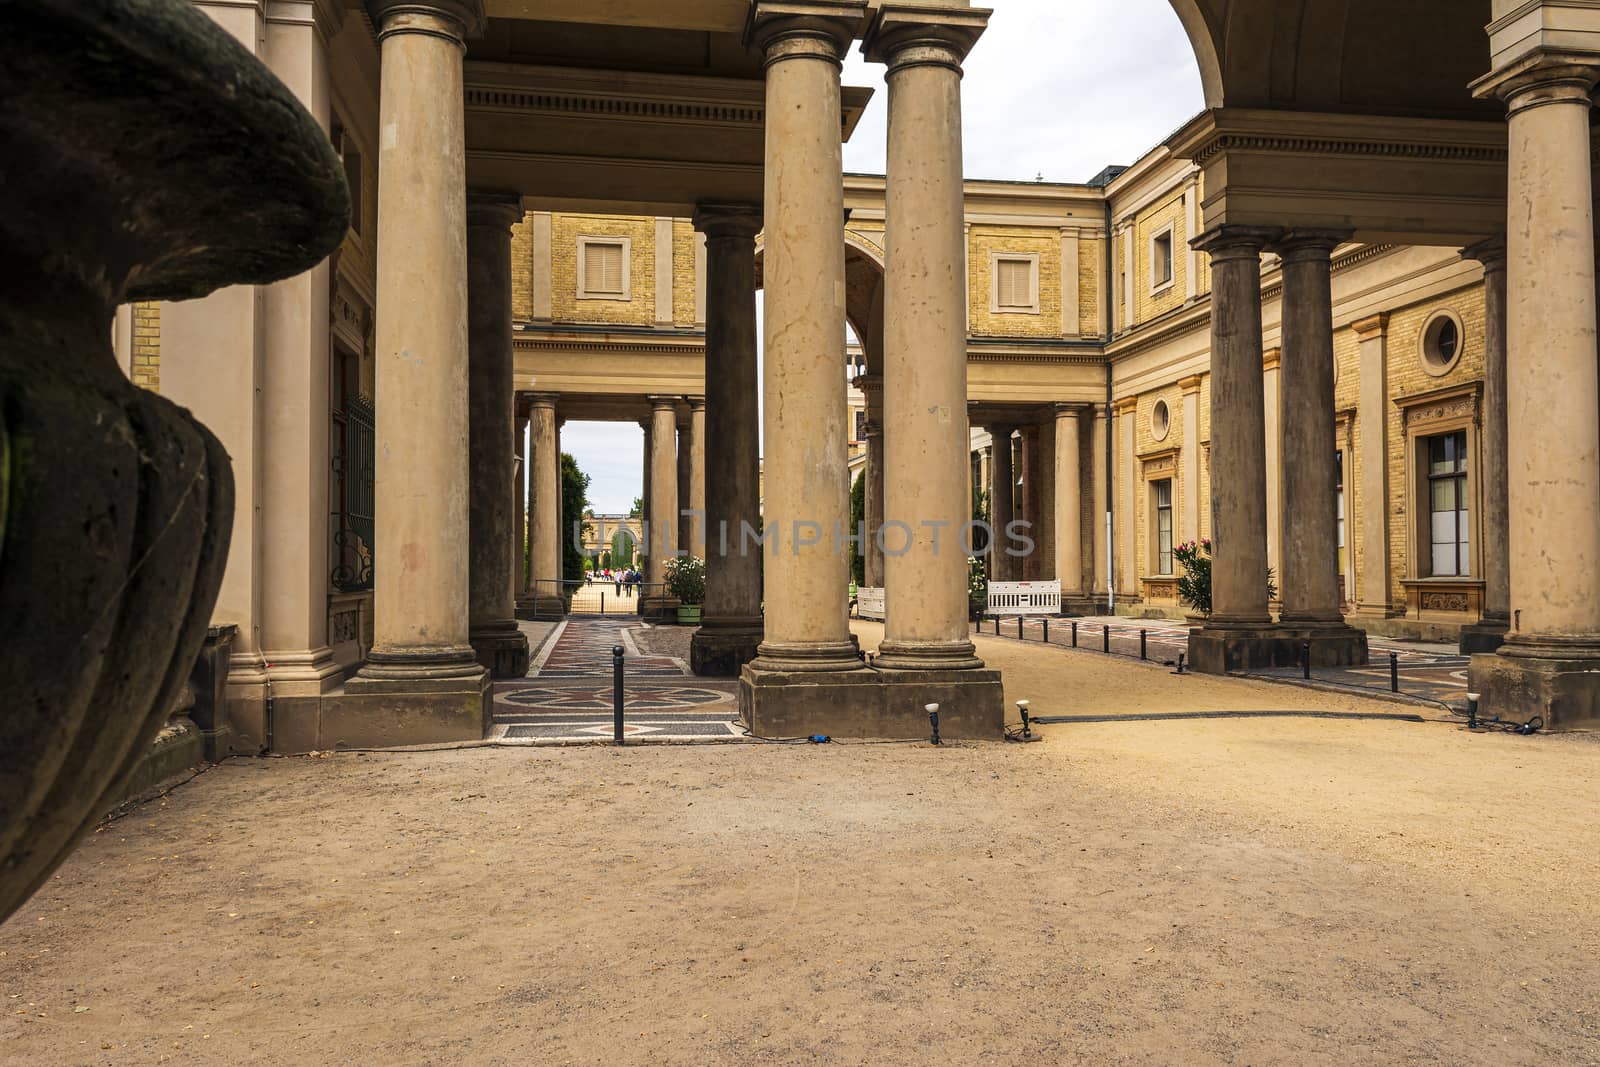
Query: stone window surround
[1431, 367]
[1161, 466]
[1160, 428]
[995, 259]
[1427, 415]
[584, 241]
[1167, 231]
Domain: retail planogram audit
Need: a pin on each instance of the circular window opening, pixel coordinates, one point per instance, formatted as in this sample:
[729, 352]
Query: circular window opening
[1160, 420]
[1442, 342]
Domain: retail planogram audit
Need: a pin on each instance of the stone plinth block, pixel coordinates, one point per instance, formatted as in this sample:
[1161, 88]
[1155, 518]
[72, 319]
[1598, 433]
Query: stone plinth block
[502, 650]
[1331, 646]
[383, 713]
[541, 607]
[1560, 685]
[869, 703]
[716, 653]
[1224, 650]
[1482, 638]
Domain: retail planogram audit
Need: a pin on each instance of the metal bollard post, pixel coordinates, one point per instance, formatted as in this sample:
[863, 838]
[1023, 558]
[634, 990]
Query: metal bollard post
[616, 694]
[1047, 629]
[1180, 662]
[1105, 639]
[1144, 648]
[1074, 635]
[1019, 627]
[1394, 672]
[997, 626]
[1305, 653]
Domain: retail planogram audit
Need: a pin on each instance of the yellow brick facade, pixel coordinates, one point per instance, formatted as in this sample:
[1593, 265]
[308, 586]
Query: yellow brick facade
[983, 243]
[683, 273]
[1091, 265]
[145, 368]
[1166, 216]
[522, 270]
[640, 308]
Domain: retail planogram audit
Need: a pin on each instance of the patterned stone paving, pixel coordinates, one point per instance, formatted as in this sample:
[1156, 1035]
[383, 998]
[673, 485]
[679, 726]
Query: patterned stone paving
[567, 697]
[1427, 672]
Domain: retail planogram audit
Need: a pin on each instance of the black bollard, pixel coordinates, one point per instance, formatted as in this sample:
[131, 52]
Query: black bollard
[1144, 647]
[1180, 662]
[1019, 627]
[1105, 639]
[1074, 635]
[1047, 630]
[1394, 672]
[616, 694]
[1305, 653]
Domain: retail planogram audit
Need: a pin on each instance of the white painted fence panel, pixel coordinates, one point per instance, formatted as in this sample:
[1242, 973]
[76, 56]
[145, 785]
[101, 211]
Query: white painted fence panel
[869, 603]
[1024, 598]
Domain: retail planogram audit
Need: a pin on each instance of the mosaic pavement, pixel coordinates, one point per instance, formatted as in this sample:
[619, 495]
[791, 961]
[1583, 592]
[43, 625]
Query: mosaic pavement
[1426, 672]
[568, 695]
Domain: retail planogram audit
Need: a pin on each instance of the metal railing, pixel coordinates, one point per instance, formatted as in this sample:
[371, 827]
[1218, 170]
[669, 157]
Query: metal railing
[354, 517]
[595, 596]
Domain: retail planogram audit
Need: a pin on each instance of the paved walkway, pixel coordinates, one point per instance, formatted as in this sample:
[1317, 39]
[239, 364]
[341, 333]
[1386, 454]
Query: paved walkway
[568, 695]
[1427, 672]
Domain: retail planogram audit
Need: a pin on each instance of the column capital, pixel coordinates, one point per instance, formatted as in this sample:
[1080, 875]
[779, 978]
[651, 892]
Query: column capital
[1125, 406]
[663, 403]
[1235, 242]
[1191, 384]
[463, 19]
[1072, 410]
[804, 29]
[921, 34]
[493, 211]
[1491, 252]
[545, 401]
[1544, 76]
[1271, 359]
[870, 384]
[1301, 245]
[734, 221]
[696, 403]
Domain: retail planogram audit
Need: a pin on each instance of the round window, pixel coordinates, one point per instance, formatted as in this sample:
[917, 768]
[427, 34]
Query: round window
[1442, 342]
[1160, 420]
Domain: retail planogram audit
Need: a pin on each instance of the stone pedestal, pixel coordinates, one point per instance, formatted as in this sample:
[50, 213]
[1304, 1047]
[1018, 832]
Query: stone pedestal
[878, 704]
[1554, 680]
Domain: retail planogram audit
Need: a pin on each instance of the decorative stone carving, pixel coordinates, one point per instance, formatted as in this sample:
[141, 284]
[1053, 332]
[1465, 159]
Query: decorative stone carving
[145, 156]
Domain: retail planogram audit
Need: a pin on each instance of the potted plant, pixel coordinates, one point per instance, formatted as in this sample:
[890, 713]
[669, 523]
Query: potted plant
[686, 580]
[977, 589]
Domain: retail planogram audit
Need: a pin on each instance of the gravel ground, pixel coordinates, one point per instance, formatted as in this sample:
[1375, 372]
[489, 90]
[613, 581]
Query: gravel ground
[1250, 891]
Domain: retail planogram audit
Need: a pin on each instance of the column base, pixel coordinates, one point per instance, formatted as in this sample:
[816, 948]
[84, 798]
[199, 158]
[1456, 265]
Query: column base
[387, 712]
[795, 657]
[659, 608]
[927, 656]
[501, 649]
[1484, 636]
[424, 666]
[1557, 680]
[1225, 648]
[718, 651]
[871, 703]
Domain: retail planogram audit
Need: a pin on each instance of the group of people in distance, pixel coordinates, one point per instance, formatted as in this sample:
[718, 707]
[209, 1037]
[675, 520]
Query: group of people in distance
[626, 581]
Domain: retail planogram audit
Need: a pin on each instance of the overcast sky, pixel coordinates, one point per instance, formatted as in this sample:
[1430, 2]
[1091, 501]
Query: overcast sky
[1061, 88]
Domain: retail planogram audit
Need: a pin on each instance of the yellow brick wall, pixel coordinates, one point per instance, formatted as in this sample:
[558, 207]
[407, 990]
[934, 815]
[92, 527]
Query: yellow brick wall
[683, 279]
[986, 240]
[146, 364]
[1407, 378]
[640, 309]
[522, 270]
[1150, 222]
[1204, 406]
[1091, 265]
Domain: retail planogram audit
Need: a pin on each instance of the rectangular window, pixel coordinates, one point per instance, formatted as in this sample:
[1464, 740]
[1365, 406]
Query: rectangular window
[861, 425]
[1015, 288]
[603, 268]
[1161, 260]
[1448, 511]
[1162, 492]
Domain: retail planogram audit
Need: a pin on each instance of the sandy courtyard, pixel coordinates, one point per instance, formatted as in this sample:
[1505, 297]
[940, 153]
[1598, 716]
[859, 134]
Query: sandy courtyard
[1215, 891]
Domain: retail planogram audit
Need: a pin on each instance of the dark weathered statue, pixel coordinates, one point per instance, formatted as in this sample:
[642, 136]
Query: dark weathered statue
[143, 155]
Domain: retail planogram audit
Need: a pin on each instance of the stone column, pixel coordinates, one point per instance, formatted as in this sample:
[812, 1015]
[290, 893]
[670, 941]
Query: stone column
[421, 482]
[1027, 567]
[927, 446]
[1069, 502]
[730, 622]
[1372, 415]
[1237, 635]
[1190, 521]
[1494, 524]
[1272, 407]
[1550, 662]
[1310, 578]
[871, 386]
[500, 645]
[1127, 507]
[1044, 500]
[683, 532]
[643, 548]
[519, 533]
[807, 623]
[1100, 479]
[695, 541]
[663, 513]
[1002, 504]
[544, 579]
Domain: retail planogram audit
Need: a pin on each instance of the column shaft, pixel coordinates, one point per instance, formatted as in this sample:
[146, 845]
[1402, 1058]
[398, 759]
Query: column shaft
[1238, 429]
[1002, 504]
[421, 479]
[1069, 502]
[730, 624]
[519, 535]
[695, 543]
[663, 514]
[1310, 554]
[500, 645]
[927, 446]
[544, 580]
[807, 506]
[683, 533]
[871, 387]
[1496, 506]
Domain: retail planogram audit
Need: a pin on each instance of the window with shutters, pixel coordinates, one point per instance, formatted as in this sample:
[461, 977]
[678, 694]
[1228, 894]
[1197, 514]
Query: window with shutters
[1015, 288]
[1161, 260]
[603, 268]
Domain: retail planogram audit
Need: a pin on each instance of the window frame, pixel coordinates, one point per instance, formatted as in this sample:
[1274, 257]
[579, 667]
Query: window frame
[585, 242]
[1423, 416]
[1169, 233]
[1163, 561]
[995, 259]
[1460, 489]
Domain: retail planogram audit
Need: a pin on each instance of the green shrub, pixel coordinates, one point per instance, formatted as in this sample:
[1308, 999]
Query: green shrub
[686, 579]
